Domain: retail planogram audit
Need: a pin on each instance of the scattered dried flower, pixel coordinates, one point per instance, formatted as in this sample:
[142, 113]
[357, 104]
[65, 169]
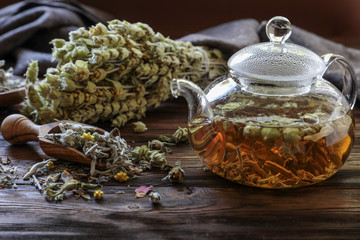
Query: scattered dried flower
[87, 136]
[121, 177]
[80, 193]
[142, 191]
[159, 145]
[139, 127]
[176, 174]
[180, 135]
[148, 158]
[34, 168]
[58, 195]
[50, 165]
[154, 198]
[8, 175]
[98, 194]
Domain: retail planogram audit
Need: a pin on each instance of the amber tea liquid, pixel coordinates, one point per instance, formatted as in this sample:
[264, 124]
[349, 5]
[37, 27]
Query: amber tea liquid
[268, 156]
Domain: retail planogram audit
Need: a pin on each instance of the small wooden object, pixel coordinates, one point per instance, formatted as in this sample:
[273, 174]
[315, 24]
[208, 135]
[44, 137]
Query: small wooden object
[12, 97]
[18, 129]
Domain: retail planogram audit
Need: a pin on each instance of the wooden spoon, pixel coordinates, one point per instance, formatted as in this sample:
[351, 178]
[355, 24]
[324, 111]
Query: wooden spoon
[18, 129]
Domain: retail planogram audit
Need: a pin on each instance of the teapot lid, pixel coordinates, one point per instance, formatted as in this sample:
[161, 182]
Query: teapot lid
[277, 60]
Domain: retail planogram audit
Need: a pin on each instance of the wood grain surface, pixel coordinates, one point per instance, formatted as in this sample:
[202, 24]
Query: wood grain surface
[204, 206]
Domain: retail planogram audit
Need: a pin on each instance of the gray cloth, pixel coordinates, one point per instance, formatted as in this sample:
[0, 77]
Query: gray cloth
[229, 37]
[27, 27]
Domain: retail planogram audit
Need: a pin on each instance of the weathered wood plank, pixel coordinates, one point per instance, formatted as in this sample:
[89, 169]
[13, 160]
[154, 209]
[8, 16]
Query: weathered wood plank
[226, 212]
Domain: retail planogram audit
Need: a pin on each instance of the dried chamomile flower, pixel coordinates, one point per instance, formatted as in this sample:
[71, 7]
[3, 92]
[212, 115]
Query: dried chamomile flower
[139, 127]
[98, 194]
[121, 177]
[176, 174]
[50, 165]
[87, 136]
[154, 198]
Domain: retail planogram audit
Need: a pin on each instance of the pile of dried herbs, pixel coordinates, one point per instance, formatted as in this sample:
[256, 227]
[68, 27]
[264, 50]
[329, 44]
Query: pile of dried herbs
[115, 73]
[8, 173]
[7, 81]
[111, 158]
[107, 150]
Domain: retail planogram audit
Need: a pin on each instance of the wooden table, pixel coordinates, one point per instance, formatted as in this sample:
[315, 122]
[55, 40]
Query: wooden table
[204, 206]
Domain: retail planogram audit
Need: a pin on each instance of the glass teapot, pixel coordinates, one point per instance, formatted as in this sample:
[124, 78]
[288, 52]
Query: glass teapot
[273, 121]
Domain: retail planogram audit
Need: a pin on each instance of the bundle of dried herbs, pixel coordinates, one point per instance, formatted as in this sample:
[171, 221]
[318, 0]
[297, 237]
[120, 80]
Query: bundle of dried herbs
[115, 73]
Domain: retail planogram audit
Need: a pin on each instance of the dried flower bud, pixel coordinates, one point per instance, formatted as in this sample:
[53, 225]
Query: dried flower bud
[156, 145]
[176, 174]
[154, 157]
[87, 137]
[33, 96]
[181, 135]
[139, 127]
[32, 72]
[79, 33]
[50, 165]
[99, 29]
[121, 177]
[98, 194]
[154, 197]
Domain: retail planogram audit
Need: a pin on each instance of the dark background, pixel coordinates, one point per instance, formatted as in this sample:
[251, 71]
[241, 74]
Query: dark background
[332, 19]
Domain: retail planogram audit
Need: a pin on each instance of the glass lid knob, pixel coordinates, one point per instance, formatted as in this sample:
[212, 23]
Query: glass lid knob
[278, 29]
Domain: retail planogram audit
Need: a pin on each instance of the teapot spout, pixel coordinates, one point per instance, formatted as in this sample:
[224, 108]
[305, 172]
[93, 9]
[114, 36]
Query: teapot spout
[199, 106]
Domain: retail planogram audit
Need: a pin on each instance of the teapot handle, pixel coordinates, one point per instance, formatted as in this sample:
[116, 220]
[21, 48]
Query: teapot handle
[349, 89]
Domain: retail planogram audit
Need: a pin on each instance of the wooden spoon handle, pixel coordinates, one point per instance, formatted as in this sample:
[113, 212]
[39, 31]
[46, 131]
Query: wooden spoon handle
[18, 129]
